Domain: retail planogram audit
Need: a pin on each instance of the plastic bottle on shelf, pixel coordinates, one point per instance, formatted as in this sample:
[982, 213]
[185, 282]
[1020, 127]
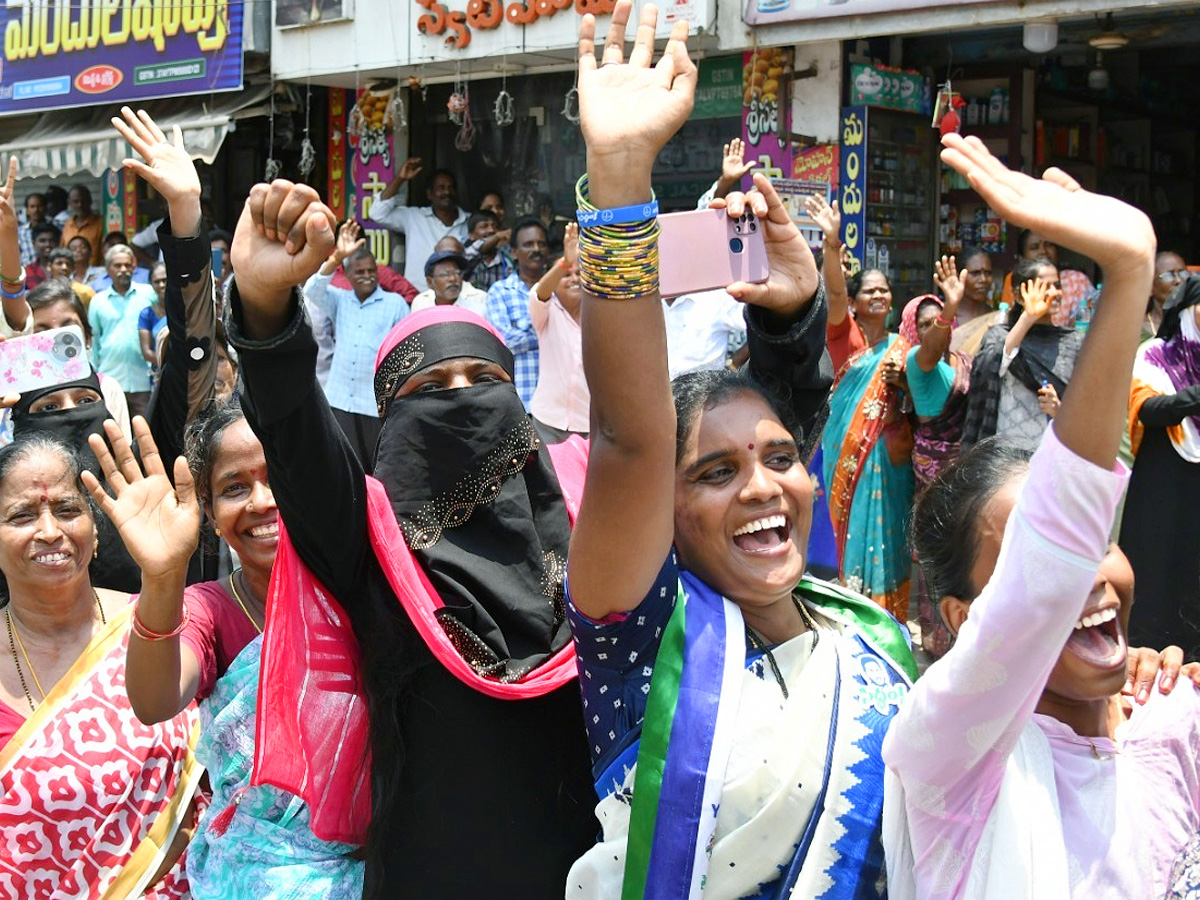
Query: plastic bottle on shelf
[883, 260]
[995, 114]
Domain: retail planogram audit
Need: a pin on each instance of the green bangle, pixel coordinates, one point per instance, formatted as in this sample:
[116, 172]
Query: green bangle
[20, 279]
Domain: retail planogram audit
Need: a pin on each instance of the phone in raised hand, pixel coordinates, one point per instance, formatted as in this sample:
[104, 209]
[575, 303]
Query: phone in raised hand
[706, 250]
[43, 359]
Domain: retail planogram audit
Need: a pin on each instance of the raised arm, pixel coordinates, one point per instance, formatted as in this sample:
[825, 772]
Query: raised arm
[829, 218]
[1035, 303]
[16, 310]
[548, 283]
[733, 168]
[159, 525]
[284, 235]
[1121, 241]
[952, 284]
[626, 520]
[185, 383]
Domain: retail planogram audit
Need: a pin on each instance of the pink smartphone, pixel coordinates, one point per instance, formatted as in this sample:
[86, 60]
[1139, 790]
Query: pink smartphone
[706, 250]
[43, 359]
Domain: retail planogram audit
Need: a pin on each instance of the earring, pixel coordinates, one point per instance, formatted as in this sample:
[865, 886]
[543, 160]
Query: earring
[96, 548]
[217, 530]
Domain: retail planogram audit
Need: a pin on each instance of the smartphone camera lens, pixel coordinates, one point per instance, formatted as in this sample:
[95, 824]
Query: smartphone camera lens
[735, 245]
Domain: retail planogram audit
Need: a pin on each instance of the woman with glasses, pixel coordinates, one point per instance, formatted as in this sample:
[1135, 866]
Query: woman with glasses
[1169, 271]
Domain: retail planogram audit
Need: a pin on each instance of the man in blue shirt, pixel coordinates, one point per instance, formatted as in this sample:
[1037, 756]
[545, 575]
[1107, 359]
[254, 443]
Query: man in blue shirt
[362, 317]
[113, 317]
[508, 303]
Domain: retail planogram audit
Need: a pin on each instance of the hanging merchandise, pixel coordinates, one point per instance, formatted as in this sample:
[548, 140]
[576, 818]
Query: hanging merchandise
[308, 154]
[273, 167]
[570, 110]
[396, 110]
[356, 121]
[946, 117]
[503, 109]
[465, 139]
[457, 104]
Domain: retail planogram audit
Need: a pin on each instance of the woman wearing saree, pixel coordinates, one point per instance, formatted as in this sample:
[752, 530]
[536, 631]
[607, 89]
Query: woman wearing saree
[1161, 529]
[94, 803]
[728, 745]
[867, 452]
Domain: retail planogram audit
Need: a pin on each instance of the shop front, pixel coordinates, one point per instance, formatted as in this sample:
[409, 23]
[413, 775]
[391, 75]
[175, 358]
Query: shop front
[67, 68]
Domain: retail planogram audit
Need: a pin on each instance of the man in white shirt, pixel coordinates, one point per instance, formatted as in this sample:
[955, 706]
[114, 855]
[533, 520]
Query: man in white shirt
[445, 272]
[701, 329]
[422, 226]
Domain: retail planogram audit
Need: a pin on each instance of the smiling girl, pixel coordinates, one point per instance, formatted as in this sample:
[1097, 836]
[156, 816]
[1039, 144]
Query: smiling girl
[1016, 775]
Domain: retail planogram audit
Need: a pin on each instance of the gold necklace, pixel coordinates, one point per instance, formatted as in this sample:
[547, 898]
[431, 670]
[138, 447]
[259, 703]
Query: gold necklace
[238, 597]
[12, 646]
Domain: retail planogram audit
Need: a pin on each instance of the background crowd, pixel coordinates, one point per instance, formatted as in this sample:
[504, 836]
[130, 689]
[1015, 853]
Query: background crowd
[314, 585]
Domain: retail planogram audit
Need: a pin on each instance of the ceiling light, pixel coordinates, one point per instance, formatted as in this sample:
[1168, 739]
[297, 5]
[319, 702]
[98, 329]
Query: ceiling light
[1040, 35]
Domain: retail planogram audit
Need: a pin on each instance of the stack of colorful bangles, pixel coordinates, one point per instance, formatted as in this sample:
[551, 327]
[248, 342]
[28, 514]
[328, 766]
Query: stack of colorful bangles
[618, 248]
[6, 285]
[147, 634]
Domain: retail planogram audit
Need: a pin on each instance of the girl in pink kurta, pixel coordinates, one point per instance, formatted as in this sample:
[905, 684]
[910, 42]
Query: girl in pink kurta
[1013, 774]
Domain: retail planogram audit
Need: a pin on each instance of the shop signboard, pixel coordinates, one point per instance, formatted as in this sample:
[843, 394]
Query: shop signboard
[719, 88]
[889, 88]
[766, 112]
[335, 194]
[59, 54]
[764, 12]
[852, 183]
[374, 164]
[818, 163]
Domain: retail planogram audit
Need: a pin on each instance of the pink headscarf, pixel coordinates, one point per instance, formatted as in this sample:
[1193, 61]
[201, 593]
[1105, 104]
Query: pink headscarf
[908, 319]
[423, 318]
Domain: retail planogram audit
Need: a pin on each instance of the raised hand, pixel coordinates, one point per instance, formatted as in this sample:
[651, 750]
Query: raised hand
[571, 243]
[159, 524]
[283, 236]
[349, 239]
[951, 282]
[167, 168]
[1036, 298]
[1112, 232]
[827, 216]
[629, 110]
[793, 280]
[8, 207]
[410, 170]
[733, 164]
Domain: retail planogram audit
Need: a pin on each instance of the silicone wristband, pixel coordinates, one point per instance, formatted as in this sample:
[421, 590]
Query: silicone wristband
[13, 296]
[623, 215]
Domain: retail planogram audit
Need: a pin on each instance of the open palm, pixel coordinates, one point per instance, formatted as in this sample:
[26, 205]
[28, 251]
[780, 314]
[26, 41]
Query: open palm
[159, 523]
[1106, 229]
[630, 108]
[167, 167]
[950, 282]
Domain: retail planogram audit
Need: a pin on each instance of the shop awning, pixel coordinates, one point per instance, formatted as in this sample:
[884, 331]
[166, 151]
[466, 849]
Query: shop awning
[63, 142]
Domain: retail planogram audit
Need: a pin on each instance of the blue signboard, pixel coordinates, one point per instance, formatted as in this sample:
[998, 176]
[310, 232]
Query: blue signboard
[65, 53]
[852, 183]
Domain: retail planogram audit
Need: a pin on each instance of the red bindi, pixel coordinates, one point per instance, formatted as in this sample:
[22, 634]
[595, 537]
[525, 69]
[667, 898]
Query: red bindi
[749, 446]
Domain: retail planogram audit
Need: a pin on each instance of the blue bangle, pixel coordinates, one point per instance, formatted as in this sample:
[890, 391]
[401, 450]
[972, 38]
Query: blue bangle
[624, 215]
[17, 296]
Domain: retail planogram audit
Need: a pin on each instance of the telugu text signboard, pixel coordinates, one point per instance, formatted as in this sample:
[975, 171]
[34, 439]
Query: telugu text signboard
[66, 53]
[763, 12]
[852, 183]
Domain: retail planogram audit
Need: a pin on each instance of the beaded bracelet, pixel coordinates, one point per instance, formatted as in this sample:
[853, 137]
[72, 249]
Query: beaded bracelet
[147, 634]
[17, 295]
[617, 261]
